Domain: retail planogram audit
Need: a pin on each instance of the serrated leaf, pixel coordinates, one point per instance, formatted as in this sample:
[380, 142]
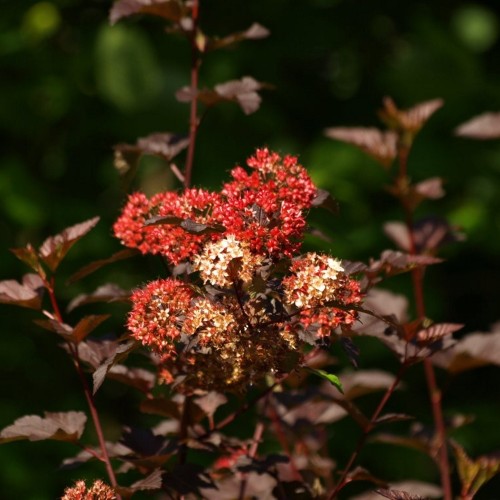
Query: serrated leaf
[94, 266]
[25, 294]
[210, 402]
[67, 426]
[105, 293]
[138, 378]
[243, 92]
[333, 379]
[325, 200]
[172, 10]
[29, 256]
[409, 120]
[436, 332]
[484, 126]
[471, 351]
[54, 248]
[160, 406]
[121, 352]
[382, 146]
[87, 325]
[399, 495]
[254, 32]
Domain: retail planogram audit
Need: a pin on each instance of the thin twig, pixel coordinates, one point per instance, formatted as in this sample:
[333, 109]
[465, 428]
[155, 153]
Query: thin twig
[193, 114]
[435, 393]
[86, 389]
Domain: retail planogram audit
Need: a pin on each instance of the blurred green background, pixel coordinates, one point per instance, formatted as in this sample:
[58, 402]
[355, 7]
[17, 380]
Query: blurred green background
[71, 87]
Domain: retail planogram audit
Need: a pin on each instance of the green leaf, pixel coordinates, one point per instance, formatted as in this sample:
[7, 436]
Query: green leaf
[333, 379]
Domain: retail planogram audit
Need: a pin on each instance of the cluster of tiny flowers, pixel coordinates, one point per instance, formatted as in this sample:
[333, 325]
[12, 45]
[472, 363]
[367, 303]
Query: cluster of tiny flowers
[158, 313]
[315, 282]
[98, 491]
[265, 208]
[226, 261]
[249, 321]
[165, 239]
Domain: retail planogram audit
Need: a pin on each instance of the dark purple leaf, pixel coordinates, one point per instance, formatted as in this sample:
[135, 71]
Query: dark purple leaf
[172, 10]
[25, 294]
[431, 233]
[55, 326]
[399, 495]
[436, 332]
[188, 478]
[105, 293]
[122, 351]
[254, 32]
[472, 351]
[351, 349]
[165, 145]
[29, 256]
[87, 325]
[55, 248]
[151, 482]
[431, 188]
[362, 382]
[95, 352]
[324, 199]
[411, 120]
[160, 406]
[484, 126]
[94, 266]
[379, 145]
[393, 262]
[243, 91]
[398, 233]
[67, 426]
[138, 378]
[210, 402]
[392, 417]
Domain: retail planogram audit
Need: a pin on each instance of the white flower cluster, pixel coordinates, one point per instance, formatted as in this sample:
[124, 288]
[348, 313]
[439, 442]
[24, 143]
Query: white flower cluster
[225, 261]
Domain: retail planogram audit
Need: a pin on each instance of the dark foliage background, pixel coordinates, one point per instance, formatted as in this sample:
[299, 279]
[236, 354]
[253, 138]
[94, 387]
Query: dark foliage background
[71, 87]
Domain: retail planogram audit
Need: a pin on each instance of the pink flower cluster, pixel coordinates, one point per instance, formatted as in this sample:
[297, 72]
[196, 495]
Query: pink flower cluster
[98, 491]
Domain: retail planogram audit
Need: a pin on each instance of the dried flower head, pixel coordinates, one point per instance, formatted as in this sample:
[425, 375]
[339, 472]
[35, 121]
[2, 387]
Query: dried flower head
[98, 491]
[227, 261]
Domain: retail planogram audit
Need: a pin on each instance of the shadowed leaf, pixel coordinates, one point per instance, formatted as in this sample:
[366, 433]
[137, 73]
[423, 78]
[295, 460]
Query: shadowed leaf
[187, 224]
[361, 474]
[484, 126]
[86, 325]
[471, 351]
[94, 266]
[392, 417]
[25, 294]
[410, 120]
[431, 188]
[325, 200]
[378, 144]
[105, 293]
[138, 378]
[160, 406]
[172, 10]
[436, 332]
[55, 248]
[254, 32]
[121, 352]
[399, 495]
[210, 402]
[67, 426]
[243, 92]
[29, 256]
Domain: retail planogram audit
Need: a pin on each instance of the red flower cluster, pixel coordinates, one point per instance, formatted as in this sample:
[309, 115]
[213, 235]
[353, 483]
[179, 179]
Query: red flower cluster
[265, 208]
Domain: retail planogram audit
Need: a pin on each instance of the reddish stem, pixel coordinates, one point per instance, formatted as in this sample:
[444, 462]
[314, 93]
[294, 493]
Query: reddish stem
[193, 115]
[418, 293]
[86, 389]
[362, 440]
